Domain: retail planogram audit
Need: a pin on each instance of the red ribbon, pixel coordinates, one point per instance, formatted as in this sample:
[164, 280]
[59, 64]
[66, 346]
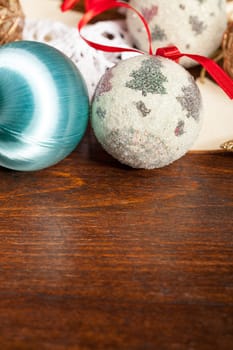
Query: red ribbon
[96, 7]
[69, 4]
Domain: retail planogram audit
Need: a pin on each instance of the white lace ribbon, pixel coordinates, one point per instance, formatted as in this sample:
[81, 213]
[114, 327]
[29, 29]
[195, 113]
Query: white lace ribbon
[91, 63]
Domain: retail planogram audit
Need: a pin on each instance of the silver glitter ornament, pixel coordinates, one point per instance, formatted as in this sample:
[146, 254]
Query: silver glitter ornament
[194, 26]
[147, 111]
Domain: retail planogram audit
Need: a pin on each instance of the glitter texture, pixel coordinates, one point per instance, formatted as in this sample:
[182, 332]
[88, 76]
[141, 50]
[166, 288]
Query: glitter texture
[158, 34]
[198, 26]
[179, 130]
[142, 126]
[190, 100]
[149, 78]
[105, 83]
[100, 112]
[149, 12]
[121, 143]
[194, 26]
[141, 107]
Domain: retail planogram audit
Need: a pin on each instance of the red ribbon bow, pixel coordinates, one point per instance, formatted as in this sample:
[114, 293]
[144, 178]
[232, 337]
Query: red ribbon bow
[96, 7]
[68, 4]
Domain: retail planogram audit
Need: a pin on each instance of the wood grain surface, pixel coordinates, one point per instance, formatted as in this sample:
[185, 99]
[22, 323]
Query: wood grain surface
[95, 255]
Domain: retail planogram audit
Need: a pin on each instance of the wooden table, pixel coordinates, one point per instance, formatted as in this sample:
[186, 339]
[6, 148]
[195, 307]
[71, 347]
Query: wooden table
[95, 255]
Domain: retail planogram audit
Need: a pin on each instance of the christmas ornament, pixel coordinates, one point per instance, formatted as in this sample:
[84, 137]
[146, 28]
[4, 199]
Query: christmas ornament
[228, 49]
[11, 21]
[193, 26]
[43, 106]
[97, 7]
[147, 111]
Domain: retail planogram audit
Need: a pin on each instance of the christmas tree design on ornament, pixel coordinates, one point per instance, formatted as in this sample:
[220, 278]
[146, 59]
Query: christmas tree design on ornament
[149, 78]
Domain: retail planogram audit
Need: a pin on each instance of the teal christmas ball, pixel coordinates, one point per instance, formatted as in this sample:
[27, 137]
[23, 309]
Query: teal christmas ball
[44, 106]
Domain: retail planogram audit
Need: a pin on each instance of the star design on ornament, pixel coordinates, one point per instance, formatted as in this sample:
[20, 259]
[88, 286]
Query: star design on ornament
[149, 13]
[158, 34]
[198, 26]
[101, 113]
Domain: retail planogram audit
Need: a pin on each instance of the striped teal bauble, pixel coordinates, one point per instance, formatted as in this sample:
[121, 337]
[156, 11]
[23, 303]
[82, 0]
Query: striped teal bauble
[43, 106]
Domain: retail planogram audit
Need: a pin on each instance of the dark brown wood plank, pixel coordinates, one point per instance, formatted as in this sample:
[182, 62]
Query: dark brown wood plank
[95, 255]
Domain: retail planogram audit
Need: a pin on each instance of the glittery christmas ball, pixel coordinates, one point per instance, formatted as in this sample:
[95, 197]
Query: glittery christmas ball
[147, 111]
[11, 21]
[194, 26]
